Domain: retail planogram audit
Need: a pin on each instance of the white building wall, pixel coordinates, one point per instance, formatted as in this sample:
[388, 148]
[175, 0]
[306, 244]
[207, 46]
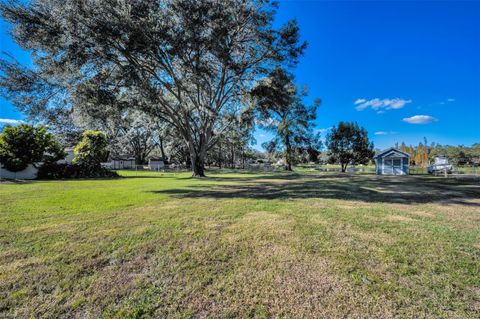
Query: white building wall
[156, 164]
[29, 173]
[69, 158]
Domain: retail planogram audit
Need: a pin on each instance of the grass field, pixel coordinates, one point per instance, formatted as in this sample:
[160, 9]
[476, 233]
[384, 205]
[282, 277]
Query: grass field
[240, 246]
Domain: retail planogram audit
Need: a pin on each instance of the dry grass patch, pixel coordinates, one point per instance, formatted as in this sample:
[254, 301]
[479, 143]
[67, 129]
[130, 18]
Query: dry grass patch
[240, 246]
[375, 236]
[422, 213]
[399, 218]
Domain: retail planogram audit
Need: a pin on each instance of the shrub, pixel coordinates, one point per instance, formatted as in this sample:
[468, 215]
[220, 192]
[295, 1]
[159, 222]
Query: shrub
[25, 144]
[91, 150]
[61, 171]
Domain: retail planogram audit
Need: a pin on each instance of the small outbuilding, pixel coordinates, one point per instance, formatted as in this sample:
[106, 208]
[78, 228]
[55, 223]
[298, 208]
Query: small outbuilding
[156, 163]
[123, 162]
[392, 162]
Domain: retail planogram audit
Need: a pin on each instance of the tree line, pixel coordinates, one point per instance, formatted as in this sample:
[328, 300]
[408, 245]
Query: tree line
[181, 79]
[187, 64]
[423, 153]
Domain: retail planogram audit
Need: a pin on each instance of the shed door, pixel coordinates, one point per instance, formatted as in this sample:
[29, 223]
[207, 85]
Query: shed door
[393, 166]
[397, 166]
[388, 166]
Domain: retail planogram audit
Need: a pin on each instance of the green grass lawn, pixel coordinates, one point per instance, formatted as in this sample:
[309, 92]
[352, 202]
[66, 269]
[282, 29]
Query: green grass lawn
[240, 246]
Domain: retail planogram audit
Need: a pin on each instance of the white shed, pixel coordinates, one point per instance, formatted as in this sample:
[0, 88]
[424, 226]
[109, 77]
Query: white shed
[123, 162]
[392, 162]
[156, 163]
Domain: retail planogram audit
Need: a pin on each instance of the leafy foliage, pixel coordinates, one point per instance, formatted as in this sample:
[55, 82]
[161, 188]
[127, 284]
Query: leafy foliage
[129, 131]
[62, 171]
[348, 143]
[281, 110]
[25, 144]
[422, 154]
[233, 145]
[91, 150]
[188, 62]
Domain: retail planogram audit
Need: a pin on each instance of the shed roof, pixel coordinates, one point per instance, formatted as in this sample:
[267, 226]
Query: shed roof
[390, 151]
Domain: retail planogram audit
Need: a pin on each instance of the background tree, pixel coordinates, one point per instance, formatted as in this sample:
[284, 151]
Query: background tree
[233, 144]
[188, 62]
[458, 155]
[139, 135]
[311, 148]
[128, 131]
[91, 151]
[348, 143]
[281, 110]
[25, 144]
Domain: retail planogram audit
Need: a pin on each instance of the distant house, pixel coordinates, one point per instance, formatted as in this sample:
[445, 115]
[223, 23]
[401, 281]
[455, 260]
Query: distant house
[392, 162]
[69, 158]
[156, 163]
[123, 162]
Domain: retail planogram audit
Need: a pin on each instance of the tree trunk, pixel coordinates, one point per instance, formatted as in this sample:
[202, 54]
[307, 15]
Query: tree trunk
[162, 150]
[344, 167]
[220, 155]
[289, 166]
[288, 154]
[198, 165]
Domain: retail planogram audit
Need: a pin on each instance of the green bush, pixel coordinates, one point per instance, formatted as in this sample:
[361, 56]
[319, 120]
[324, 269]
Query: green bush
[26, 144]
[91, 151]
[62, 171]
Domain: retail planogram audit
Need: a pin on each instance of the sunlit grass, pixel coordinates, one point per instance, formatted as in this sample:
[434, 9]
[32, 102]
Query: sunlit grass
[240, 245]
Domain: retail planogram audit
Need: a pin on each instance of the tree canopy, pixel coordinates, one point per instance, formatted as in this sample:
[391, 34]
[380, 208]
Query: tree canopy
[25, 144]
[348, 143]
[281, 110]
[188, 62]
[91, 150]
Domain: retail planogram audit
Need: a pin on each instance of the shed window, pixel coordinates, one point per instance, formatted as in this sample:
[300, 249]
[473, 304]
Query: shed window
[388, 162]
[397, 162]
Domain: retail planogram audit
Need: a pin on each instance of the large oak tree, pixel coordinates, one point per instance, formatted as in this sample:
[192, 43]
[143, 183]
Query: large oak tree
[188, 62]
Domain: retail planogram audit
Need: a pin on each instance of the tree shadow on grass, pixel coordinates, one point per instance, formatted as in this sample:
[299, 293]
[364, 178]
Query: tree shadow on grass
[367, 188]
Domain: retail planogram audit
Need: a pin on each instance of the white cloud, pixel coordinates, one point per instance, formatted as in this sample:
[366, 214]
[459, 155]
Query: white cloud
[420, 119]
[385, 133]
[378, 104]
[10, 121]
[446, 101]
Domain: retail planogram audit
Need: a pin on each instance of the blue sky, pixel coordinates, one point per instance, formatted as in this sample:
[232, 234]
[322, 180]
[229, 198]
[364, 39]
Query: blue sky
[403, 70]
